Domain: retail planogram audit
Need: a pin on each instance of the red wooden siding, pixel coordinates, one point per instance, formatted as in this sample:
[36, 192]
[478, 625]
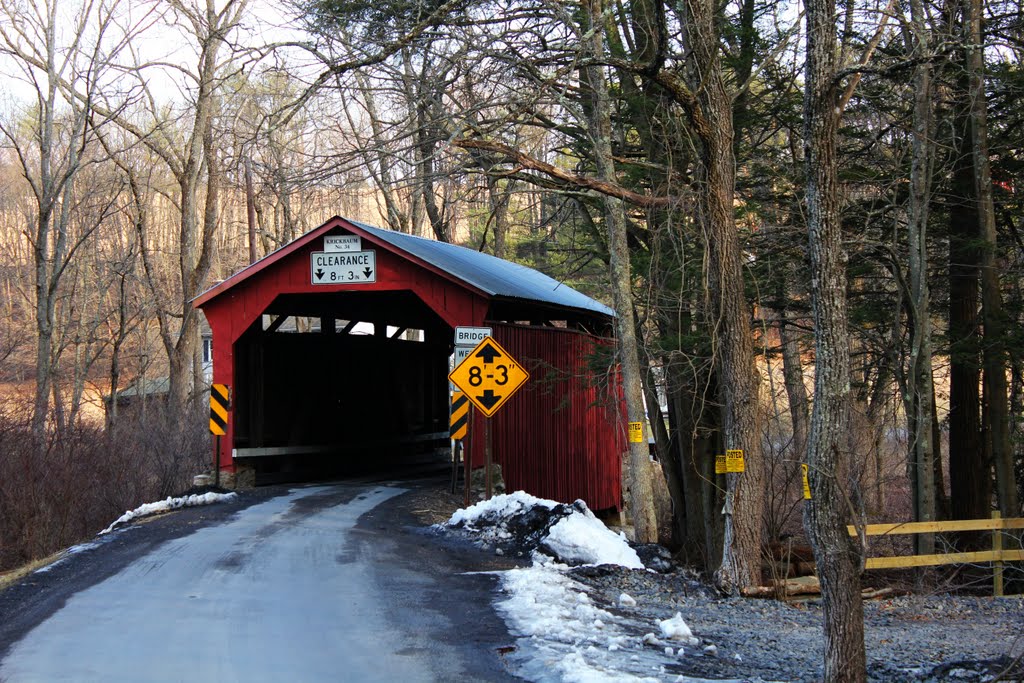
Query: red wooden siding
[560, 436]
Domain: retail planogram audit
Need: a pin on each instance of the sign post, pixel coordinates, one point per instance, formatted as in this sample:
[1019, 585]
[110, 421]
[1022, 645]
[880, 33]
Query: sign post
[220, 401]
[466, 338]
[467, 470]
[488, 376]
[458, 426]
[488, 486]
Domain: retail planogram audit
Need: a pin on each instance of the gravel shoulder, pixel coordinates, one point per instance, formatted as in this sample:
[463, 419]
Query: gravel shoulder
[935, 637]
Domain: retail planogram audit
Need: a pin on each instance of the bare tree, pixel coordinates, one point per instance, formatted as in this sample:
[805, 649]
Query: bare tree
[919, 398]
[710, 111]
[64, 56]
[828, 512]
[190, 149]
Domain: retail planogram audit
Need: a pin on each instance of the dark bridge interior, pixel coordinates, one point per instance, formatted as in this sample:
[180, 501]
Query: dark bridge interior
[329, 384]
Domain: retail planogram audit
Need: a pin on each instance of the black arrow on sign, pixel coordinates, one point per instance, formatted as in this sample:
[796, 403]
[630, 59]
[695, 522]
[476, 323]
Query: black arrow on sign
[319, 273]
[488, 353]
[488, 400]
[368, 272]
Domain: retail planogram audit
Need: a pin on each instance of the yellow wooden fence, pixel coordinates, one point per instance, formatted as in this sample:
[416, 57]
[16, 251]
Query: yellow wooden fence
[997, 555]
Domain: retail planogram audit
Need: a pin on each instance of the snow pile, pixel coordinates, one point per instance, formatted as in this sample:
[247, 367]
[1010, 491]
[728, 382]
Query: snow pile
[583, 539]
[521, 523]
[676, 629]
[561, 634]
[564, 636]
[170, 503]
[499, 508]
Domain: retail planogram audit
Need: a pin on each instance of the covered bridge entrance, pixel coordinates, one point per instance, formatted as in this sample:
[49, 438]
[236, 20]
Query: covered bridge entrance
[337, 349]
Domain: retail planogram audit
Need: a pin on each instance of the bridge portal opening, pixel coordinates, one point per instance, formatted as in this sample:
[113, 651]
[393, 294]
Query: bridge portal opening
[328, 384]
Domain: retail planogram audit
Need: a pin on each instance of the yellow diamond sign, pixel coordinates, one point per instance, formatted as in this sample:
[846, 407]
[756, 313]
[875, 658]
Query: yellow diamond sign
[489, 376]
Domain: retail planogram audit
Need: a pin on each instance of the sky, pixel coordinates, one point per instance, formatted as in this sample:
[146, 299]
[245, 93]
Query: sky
[158, 37]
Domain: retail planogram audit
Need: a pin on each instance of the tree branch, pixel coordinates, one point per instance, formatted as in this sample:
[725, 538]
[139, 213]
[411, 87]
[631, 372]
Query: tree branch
[528, 162]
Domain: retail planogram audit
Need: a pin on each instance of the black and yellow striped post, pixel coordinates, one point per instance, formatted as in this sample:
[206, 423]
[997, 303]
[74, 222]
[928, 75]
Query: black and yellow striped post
[459, 415]
[458, 426]
[220, 401]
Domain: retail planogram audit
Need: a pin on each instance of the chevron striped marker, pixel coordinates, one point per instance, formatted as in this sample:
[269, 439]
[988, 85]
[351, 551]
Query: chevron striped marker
[459, 416]
[219, 402]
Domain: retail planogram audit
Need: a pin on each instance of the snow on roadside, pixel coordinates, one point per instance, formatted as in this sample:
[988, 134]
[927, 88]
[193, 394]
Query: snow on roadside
[64, 555]
[169, 503]
[569, 533]
[498, 507]
[144, 510]
[561, 634]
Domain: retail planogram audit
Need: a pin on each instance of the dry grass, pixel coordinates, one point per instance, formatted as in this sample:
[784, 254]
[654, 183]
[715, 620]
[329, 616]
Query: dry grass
[435, 505]
[15, 575]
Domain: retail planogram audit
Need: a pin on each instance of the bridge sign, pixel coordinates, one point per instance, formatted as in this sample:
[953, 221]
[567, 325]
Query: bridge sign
[342, 268]
[471, 336]
[489, 376]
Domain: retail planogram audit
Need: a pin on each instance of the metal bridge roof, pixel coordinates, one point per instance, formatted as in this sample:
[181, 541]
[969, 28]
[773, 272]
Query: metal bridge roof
[487, 274]
[494, 276]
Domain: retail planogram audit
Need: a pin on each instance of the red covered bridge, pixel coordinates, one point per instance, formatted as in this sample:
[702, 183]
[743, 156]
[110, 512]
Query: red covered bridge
[368, 380]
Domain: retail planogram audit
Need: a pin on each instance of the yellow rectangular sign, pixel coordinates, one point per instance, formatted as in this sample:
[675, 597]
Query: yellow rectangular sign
[730, 463]
[219, 401]
[734, 461]
[807, 482]
[636, 432]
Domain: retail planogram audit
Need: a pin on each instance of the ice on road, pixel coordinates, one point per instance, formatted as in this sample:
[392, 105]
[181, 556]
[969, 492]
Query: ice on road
[210, 607]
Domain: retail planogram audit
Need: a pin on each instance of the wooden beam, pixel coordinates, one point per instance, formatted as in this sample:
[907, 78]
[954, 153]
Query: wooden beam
[944, 558]
[931, 527]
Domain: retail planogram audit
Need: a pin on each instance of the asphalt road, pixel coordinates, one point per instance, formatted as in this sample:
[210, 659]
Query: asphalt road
[320, 583]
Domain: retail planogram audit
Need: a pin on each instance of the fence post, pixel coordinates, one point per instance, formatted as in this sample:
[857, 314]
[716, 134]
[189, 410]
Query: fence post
[997, 565]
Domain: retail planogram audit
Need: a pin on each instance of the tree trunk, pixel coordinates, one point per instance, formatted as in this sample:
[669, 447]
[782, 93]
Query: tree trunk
[919, 401]
[666, 455]
[793, 379]
[734, 347]
[426, 146]
[970, 470]
[498, 199]
[827, 513]
[641, 495]
[994, 349]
